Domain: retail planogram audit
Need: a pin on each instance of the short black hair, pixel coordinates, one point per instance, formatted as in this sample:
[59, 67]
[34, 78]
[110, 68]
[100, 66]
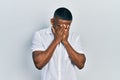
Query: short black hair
[63, 13]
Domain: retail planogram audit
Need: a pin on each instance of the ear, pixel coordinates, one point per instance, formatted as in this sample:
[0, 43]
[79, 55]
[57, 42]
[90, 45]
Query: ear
[52, 21]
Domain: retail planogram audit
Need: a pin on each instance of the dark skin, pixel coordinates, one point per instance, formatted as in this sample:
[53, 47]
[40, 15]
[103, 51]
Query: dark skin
[60, 29]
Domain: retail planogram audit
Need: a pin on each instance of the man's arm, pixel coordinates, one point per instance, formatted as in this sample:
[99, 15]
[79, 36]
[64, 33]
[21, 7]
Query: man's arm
[77, 58]
[41, 58]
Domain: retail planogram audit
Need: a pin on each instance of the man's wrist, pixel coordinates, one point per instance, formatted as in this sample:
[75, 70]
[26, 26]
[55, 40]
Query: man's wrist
[56, 41]
[65, 42]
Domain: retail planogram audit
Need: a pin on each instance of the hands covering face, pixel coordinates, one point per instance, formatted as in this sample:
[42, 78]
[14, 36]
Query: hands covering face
[61, 33]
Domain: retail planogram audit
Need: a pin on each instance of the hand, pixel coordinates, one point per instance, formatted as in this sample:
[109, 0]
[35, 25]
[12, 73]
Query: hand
[58, 33]
[65, 33]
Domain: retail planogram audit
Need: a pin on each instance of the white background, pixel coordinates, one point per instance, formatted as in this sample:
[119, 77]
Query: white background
[97, 21]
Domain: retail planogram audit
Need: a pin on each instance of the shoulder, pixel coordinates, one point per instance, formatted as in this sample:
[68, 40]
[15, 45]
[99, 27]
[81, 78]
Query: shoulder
[42, 31]
[74, 35]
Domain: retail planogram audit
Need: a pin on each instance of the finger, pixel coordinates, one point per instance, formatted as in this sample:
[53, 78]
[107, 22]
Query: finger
[68, 26]
[53, 30]
[64, 26]
[60, 25]
[62, 30]
[66, 30]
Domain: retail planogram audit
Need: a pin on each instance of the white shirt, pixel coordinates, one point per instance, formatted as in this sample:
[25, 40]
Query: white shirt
[59, 67]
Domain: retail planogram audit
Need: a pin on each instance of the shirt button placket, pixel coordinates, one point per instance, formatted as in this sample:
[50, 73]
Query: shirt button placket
[59, 62]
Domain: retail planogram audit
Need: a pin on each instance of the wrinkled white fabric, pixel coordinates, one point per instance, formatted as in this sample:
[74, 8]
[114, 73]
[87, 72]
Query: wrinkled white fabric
[59, 67]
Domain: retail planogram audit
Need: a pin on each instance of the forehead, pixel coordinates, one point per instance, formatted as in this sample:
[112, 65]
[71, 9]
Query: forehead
[61, 21]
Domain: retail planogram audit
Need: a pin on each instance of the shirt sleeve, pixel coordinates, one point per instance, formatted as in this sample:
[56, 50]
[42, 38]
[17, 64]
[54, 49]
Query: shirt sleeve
[37, 42]
[78, 47]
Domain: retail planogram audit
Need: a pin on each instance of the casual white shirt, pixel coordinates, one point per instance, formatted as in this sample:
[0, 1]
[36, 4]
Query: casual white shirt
[59, 67]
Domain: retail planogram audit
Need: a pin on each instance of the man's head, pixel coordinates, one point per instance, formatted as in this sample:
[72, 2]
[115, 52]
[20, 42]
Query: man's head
[61, 16]
[63, 13]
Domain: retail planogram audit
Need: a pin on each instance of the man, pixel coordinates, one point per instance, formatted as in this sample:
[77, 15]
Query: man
[57, 51]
